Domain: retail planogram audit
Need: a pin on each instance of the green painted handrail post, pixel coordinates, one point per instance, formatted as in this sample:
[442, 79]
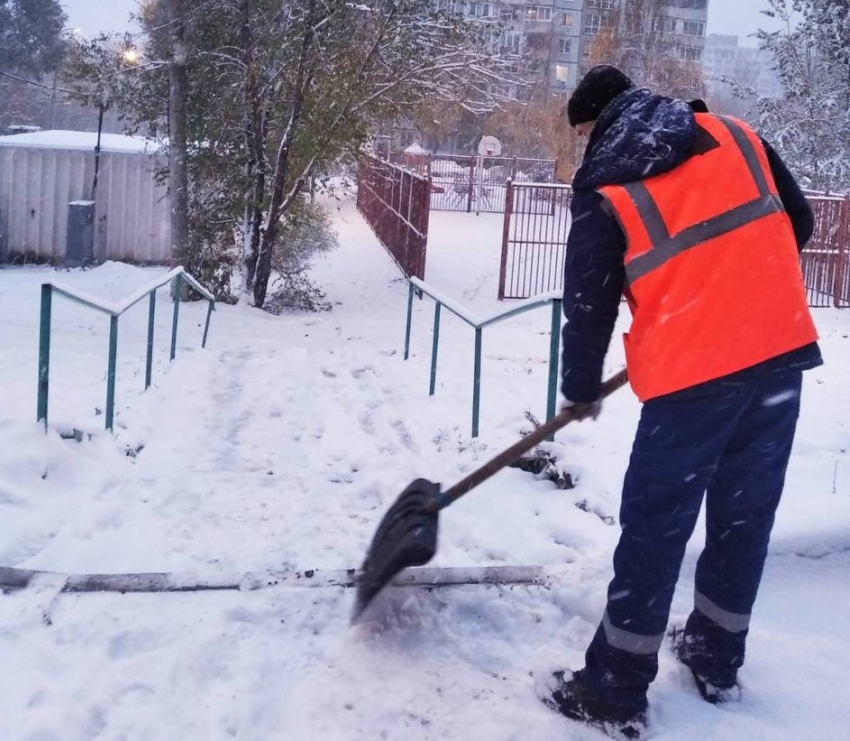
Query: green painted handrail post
[554, 347]
[409, 320]
[178, 287]
[44, 352]
[149, 359]
[207, 325]
[434, 347]
[110, 370]
[476, 383]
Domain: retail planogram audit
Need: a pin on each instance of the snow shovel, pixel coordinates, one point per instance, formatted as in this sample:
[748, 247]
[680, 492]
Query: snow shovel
[407, 536]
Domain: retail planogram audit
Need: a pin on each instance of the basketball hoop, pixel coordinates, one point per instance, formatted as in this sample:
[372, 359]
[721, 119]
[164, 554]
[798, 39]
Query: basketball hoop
[489, 146]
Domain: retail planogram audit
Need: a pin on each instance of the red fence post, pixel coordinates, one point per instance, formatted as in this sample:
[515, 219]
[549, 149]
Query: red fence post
[506, 228]
[552, 178]
[411, 253]
[840, 286]
[422, 222]
[470, 185]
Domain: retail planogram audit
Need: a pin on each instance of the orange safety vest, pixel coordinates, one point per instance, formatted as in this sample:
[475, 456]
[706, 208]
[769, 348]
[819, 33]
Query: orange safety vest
[712, 268]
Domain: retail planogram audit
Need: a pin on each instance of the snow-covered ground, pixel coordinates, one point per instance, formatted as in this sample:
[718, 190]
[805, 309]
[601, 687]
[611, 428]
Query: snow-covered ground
[280, 447]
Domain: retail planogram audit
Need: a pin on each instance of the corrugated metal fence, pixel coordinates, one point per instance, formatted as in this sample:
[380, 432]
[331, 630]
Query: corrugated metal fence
[537, 223]
[37, 184]
[395, 203]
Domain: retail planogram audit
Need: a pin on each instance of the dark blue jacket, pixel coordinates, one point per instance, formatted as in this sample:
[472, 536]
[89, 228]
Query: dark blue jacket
[640, 134]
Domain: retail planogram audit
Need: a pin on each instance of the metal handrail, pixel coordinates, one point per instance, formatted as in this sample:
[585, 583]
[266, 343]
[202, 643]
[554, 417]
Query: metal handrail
[554, 298]
[114, 310]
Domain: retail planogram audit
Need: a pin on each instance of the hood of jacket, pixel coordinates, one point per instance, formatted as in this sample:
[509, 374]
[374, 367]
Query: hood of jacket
[638, 135]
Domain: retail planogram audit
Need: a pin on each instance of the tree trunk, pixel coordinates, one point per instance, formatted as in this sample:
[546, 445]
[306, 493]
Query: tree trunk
[263, 270]
[178, 178]
[254, 205]
[255, 133]
[277, 208]
[279, 203]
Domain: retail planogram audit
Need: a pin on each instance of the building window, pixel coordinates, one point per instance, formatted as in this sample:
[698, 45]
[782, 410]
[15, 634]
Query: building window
[592, 23]
[665, 25]
[509, 13]
[564, 46]
[600, 4]
[562, 73]
[538, 42]
[538, 13]
[511, 42]
[567, 21]
[693, 28]
[479, 10]
[691, 53]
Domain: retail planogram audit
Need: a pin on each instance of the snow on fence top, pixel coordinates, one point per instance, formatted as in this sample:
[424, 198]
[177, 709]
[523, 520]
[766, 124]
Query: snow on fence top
[81, 140]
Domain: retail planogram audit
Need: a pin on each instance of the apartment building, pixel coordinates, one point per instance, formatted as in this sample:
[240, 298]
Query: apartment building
[725, 58]
[553, 38]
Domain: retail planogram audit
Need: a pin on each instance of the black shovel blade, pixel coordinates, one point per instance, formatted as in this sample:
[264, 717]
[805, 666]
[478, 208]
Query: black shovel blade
[407, 536]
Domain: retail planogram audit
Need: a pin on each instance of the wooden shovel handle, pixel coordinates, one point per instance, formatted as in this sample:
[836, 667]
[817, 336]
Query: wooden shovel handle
[506, 457]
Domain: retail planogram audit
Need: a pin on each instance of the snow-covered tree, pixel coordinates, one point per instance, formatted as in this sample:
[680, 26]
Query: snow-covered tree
[279, 91]
[31, 46]
[30, 36]
[810, 124]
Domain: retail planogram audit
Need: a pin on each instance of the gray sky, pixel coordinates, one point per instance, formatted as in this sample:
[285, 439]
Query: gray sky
[739, 18]
[736, 17]
[93, 16]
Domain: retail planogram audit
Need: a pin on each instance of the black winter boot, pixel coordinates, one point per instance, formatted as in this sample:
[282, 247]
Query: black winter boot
[568, 694]
[715, 692]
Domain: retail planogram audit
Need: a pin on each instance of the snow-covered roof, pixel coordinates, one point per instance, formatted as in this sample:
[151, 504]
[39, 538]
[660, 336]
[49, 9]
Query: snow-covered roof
[80, 140]
[415, 149]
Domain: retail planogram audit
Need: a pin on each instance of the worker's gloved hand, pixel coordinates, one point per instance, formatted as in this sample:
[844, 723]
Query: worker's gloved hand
[583, 409]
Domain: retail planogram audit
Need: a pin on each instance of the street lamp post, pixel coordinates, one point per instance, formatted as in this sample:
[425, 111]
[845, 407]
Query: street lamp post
[131, 57]
[178, 184]
[101, 109]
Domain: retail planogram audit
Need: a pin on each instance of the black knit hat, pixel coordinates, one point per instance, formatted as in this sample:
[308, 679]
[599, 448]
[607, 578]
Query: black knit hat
[596, 90]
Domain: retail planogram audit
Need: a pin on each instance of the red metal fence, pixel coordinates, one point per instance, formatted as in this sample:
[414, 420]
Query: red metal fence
[467, 183]
[395, 203]
[826, 259]
[534, 238]
[537, 223]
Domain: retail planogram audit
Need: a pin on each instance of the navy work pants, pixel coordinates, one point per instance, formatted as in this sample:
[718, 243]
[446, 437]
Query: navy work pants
[728, 440]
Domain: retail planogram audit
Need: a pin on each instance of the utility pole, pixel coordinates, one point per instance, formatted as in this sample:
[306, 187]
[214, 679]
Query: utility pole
[178, 178]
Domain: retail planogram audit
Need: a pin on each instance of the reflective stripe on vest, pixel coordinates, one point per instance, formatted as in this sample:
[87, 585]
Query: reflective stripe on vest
[665, 246]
